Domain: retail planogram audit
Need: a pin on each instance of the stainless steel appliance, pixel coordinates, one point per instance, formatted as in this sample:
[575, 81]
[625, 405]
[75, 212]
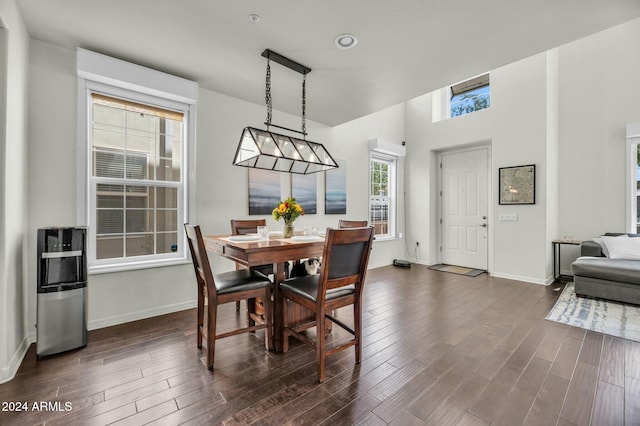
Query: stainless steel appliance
[62, 290]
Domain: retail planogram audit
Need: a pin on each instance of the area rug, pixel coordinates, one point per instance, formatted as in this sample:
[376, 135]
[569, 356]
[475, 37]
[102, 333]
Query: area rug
[616, 319]
[460, 270]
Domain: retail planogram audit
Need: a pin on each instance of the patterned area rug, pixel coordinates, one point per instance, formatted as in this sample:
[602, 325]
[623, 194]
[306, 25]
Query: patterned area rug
[460, 270]
[607, 317]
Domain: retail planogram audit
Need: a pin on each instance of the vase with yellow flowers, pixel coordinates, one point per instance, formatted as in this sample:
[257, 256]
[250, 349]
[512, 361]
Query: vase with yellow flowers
[289, 210]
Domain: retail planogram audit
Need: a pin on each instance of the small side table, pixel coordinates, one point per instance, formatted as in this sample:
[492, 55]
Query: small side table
[556, 257]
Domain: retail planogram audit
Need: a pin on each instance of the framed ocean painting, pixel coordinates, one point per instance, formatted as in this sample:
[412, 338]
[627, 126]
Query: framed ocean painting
[304, 188]
[335, 189]
[264, 191]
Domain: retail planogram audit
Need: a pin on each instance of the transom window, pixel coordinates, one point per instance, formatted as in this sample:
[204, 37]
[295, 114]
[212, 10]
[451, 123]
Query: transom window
[470, 95]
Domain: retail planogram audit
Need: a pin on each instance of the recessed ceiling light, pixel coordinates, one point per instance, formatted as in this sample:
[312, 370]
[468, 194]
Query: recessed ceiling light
[346, 41]
[254, 18]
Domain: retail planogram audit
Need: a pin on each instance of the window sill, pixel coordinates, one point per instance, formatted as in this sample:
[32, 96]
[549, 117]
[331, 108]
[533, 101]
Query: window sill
[132, 266]
[378, 238]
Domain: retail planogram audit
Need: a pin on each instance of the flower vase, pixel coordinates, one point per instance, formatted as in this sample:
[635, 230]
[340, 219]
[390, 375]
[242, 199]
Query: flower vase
[288, 230]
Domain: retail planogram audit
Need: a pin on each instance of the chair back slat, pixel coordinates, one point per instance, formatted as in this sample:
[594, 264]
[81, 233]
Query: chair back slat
[345, 259]
[200, 260]
[342, 223]
[243, 227]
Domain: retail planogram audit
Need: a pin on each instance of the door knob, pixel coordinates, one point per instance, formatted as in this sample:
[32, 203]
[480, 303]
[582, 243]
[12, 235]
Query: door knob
[484, 225]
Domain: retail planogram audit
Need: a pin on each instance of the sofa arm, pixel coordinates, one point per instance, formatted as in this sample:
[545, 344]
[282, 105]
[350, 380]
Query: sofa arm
[590, 248]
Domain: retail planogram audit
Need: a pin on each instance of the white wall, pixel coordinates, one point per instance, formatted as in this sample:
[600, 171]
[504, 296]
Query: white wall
[565, 111]
[600, 94]
[14, 56]
[350, 142]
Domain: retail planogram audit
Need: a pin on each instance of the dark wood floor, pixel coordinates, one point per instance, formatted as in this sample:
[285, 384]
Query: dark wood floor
[439, 349]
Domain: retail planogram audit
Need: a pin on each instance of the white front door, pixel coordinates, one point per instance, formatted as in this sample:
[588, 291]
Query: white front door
[464, 202]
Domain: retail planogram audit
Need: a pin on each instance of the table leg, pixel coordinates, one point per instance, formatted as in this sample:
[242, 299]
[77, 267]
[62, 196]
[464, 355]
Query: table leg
[278, 311]
[555, 254]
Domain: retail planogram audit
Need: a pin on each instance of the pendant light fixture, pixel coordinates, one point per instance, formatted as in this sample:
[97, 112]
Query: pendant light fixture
[264, 149]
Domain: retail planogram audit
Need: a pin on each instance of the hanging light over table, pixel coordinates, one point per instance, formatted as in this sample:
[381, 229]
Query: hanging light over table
[264, 149]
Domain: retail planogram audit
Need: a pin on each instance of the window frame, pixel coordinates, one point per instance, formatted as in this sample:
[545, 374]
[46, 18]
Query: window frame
[102, 74]
[633, 192]
[441, 98]
[392, 161]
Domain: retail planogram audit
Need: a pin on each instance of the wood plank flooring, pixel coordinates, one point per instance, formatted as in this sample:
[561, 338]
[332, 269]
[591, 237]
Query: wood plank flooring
[439, 349]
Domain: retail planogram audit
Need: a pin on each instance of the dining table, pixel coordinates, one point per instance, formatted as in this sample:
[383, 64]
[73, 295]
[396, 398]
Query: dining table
[252, 250]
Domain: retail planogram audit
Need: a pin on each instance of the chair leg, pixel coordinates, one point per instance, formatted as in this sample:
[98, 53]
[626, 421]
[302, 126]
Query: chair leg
[251, 308]
[357, 327]
[284, 311]
[212, 314]
[321, 343]
[268, 314]
[200, 320]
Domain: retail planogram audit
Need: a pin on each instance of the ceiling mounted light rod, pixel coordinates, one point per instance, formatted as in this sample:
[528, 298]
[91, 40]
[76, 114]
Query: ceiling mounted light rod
[284, 61]
[263, 149]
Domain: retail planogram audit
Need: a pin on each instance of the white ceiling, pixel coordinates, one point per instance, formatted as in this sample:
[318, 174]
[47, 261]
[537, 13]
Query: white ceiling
[405, 47]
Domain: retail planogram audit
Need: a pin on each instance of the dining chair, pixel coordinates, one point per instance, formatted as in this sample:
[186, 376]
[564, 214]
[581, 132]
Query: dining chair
[227, 287]
[340, 283]
[243, 227]
[352, 223]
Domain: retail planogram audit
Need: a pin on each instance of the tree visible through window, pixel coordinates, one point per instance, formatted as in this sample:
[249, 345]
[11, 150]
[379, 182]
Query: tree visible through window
[470, 95]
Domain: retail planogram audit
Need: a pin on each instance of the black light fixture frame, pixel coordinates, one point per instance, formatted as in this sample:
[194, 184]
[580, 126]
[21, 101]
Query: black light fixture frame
[272, 151]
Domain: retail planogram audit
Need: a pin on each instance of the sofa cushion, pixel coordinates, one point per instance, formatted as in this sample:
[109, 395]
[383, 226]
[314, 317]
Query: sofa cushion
[622, 247]
[607, 269]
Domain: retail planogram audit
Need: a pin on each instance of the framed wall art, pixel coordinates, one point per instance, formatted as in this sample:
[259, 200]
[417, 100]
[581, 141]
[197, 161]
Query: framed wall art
[264, 191]
[335, 187]
[517, 185]
[304, 190]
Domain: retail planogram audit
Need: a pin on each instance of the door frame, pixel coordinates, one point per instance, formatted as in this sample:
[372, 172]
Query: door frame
[486, 144]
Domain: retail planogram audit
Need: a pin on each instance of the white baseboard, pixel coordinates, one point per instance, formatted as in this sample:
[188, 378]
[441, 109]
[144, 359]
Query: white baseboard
[521, 278]
[8, 372]
[134, 316]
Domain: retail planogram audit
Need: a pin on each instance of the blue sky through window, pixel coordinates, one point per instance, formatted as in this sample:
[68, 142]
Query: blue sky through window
[470, 101]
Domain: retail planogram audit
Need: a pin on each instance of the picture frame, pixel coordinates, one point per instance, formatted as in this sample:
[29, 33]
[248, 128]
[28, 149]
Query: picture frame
[517, 185]
[263, 191]
[304, 190]
[335, 189]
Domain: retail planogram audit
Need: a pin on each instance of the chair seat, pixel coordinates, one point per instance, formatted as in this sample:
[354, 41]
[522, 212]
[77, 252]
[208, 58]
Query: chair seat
[244, 279]
[307, 287]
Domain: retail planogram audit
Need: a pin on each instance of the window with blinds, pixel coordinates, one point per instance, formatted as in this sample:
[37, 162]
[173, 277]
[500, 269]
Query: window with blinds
[136, 178]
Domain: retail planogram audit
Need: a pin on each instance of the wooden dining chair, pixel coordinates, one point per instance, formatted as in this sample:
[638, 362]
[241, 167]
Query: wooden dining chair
[340, 283]
[227, 287]
[352, 223]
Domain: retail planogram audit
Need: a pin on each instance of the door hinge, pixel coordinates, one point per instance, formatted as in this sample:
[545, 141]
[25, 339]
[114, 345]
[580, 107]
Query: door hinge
[441, 193]
[440, 221]
[440, 165]
[440, 248]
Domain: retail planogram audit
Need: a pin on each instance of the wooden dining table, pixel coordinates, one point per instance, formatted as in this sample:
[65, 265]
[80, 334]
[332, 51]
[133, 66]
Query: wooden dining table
[276, 251]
